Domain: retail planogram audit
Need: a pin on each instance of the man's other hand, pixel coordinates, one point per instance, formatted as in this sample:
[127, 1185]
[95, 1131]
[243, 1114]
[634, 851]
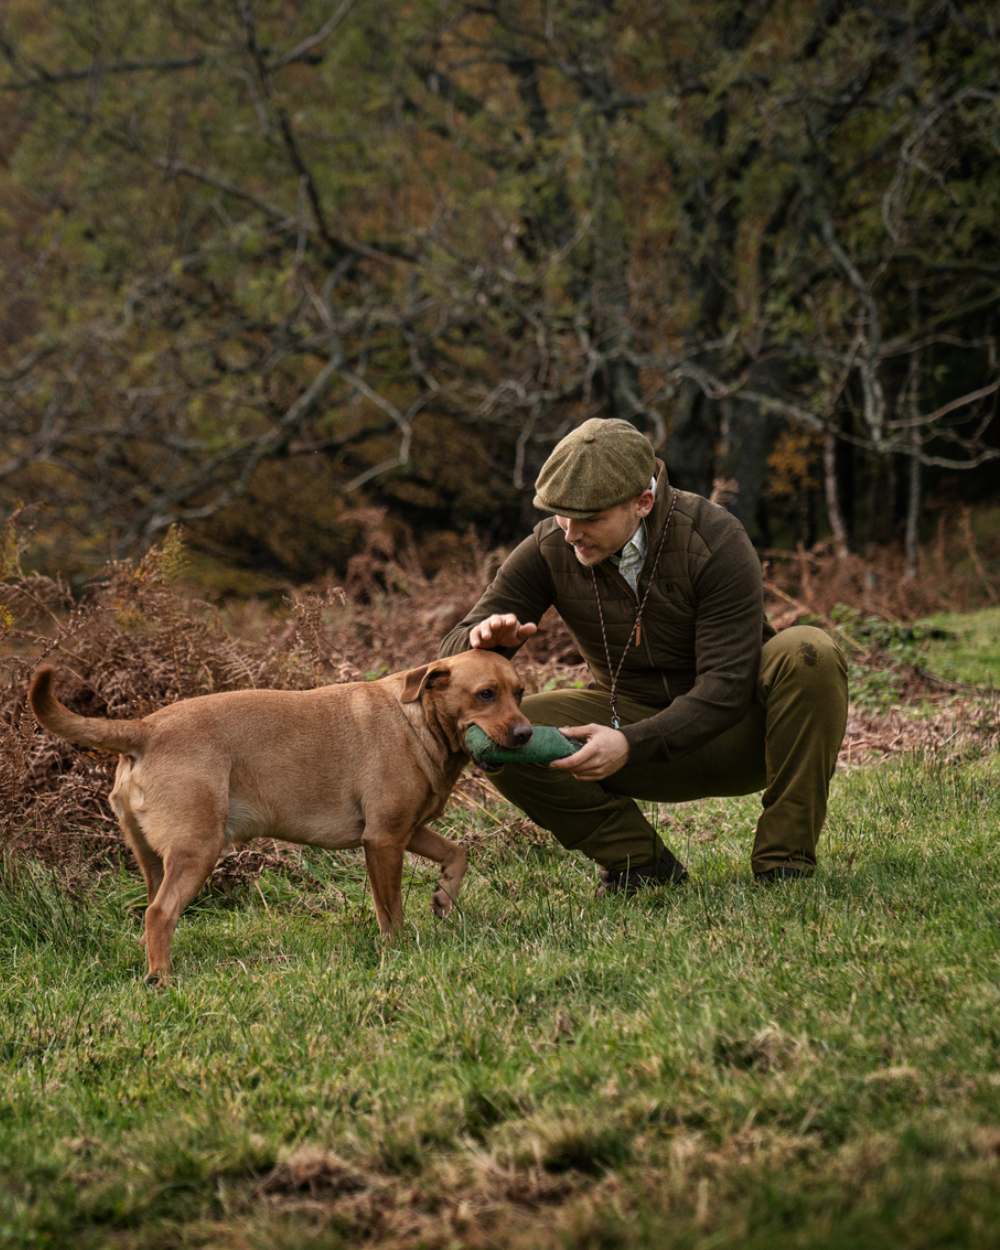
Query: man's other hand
[606, 751]
[500, 631]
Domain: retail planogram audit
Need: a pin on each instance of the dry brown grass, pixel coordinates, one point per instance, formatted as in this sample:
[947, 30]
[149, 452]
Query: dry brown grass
[141, 638]
[957, 572]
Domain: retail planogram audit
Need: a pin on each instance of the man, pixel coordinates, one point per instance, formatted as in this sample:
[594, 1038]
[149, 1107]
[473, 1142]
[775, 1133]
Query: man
[693, 693]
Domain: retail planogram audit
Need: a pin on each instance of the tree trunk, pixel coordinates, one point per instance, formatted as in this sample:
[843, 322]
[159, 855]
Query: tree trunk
[912, 538]
[832, 492]
[914, 483]
[743, 453]
[691, 442]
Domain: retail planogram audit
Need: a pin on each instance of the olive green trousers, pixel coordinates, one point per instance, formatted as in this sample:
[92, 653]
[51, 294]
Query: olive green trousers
[786, 745]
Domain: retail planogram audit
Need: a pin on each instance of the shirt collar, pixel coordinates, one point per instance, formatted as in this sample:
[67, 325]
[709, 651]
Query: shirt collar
[634, 550]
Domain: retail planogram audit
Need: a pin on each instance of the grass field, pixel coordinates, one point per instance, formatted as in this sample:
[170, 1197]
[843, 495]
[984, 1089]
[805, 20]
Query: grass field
[811, 1065]
[969, 649]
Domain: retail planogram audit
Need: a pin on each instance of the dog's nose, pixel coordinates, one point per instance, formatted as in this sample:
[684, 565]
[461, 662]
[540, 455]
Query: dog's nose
[521, 735]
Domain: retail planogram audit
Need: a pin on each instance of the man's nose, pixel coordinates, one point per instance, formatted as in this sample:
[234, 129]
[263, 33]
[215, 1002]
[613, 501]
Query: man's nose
[572, 531]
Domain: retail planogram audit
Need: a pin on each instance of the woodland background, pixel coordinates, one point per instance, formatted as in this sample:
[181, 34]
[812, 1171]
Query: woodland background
[313, 278]
[297, 297]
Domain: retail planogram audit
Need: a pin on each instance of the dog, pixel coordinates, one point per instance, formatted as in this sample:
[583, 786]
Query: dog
[354, 764]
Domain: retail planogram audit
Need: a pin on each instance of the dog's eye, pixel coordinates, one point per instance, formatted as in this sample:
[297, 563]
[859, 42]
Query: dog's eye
[486, 696]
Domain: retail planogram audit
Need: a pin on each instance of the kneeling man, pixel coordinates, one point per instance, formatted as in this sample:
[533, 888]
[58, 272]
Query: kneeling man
[693, 692]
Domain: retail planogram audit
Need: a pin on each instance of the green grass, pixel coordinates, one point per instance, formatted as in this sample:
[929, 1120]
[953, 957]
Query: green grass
[811, 1065]
[970, 649]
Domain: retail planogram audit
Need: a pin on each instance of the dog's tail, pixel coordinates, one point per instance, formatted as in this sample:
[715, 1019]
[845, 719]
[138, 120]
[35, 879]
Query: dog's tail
[124, 736]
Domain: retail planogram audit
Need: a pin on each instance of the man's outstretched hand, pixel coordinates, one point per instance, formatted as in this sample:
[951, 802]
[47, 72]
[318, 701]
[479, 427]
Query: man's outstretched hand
[605, 751]
[500, 631]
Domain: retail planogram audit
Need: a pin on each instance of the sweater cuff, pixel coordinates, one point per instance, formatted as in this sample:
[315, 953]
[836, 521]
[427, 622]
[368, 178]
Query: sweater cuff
[643, 746]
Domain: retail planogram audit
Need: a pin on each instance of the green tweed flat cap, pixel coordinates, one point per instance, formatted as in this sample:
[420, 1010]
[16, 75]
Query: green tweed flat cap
[598, 465]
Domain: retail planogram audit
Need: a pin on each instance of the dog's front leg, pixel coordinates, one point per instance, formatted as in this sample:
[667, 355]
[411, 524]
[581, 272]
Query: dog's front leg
[453, 860]
[384, 860]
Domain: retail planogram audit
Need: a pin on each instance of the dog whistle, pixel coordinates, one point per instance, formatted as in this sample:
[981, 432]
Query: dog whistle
[638, 632]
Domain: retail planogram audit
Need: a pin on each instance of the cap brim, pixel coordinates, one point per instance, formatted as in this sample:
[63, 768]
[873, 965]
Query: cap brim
[577, 514]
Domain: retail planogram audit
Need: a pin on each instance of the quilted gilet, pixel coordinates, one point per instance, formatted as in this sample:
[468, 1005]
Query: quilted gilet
[702, 627]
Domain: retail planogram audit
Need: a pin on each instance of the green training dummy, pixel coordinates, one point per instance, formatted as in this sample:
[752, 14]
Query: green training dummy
[547, 744]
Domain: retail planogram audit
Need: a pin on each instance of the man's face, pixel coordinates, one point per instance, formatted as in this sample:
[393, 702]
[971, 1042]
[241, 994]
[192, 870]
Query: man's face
[596, 537]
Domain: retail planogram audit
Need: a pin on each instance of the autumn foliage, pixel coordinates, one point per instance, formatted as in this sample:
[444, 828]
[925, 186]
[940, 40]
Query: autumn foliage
[141, 637]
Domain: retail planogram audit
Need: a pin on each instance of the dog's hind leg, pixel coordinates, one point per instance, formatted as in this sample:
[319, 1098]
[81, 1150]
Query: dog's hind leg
[191, 847]
[453, 859]
[186, 869]
[150, 864]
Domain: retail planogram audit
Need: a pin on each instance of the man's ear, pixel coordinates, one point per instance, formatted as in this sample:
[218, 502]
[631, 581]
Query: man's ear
[645, 502]
[426, 677]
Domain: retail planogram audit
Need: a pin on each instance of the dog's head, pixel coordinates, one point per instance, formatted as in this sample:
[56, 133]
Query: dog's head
[472, 688]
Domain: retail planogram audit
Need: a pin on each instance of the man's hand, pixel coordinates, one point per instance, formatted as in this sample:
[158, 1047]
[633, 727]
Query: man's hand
[500, 631]
[606, 751]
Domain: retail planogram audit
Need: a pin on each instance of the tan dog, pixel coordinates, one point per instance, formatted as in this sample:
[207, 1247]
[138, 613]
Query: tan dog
[356, 764]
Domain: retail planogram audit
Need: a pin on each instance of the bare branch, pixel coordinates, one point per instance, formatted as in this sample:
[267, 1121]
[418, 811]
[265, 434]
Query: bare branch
[303, 49]
[55, 78]
[868, 365]
[250, 455]
[962, 401]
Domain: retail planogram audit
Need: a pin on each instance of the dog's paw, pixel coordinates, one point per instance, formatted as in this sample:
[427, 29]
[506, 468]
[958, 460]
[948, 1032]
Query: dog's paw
[155, 980]
[441, 903]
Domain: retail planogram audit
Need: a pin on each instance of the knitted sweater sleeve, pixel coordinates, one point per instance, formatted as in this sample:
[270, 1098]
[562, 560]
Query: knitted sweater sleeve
[522, 586]
[729, 591]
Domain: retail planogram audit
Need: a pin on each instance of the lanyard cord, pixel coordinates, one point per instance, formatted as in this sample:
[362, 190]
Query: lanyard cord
[616, 671]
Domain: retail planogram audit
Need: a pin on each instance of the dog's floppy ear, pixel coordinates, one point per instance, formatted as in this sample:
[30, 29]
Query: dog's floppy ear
[426, 677]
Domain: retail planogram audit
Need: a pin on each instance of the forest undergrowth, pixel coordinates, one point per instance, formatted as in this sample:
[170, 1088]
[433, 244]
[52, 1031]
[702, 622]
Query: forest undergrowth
[141, 636]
